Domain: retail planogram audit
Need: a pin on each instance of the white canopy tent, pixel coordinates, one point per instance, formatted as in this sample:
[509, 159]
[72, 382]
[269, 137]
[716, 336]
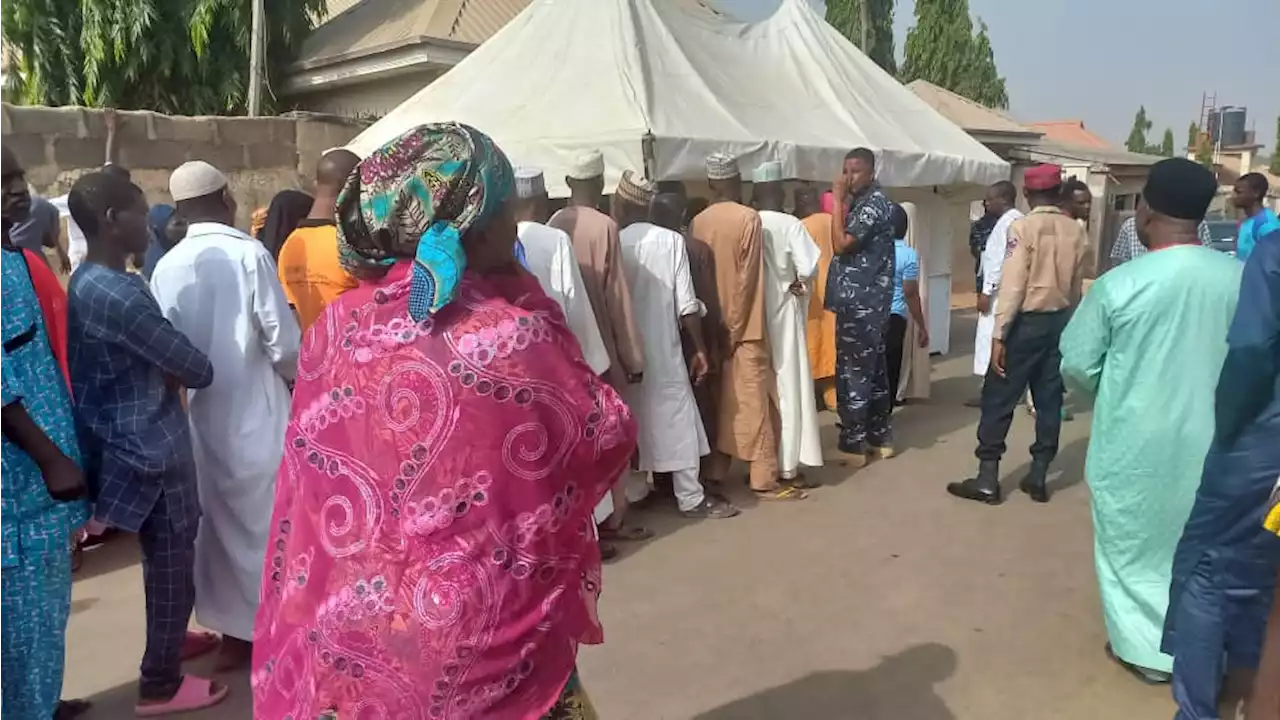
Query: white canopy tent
[570, 75]
[673, 81]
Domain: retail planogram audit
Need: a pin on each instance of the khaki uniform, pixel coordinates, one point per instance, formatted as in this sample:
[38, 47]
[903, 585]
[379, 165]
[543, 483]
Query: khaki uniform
[1044, 267]
[1040, 284]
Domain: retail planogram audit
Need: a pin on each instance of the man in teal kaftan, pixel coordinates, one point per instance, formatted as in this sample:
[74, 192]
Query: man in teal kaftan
[1147, 343]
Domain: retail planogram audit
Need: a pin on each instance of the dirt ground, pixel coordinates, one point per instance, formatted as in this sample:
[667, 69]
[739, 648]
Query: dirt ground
[880, 598]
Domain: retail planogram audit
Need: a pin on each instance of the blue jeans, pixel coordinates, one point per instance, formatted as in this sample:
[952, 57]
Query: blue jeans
[1221, 623]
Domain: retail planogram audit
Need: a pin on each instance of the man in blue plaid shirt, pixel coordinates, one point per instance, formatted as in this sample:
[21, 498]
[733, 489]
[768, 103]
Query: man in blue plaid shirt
[1128, 247]
[129, 366]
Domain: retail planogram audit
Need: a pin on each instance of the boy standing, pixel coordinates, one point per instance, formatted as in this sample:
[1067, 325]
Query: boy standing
[128, 367]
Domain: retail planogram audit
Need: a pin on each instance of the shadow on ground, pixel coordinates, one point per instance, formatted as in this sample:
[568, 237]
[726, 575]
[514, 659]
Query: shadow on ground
[902, 686]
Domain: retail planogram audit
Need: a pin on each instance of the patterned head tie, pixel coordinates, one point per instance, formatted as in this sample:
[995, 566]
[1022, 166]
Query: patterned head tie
[416, 197]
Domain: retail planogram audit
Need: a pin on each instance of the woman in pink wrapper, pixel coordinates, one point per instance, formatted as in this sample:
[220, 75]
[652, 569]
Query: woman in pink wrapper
[433, 553]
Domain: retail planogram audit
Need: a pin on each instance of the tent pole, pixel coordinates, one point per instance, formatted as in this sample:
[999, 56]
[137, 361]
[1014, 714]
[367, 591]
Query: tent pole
[646, 151]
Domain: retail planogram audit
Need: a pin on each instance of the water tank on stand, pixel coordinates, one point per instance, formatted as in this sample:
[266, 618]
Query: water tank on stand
[1232, 125]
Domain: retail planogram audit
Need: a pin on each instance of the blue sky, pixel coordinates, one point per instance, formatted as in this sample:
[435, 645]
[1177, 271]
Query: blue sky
[1159, 53]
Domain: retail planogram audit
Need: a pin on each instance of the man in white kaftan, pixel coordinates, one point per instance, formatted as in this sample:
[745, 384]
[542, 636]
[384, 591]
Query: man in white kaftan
[220, 288]
[999, 203]
[548, 253]
[790, 259]
[672, 439]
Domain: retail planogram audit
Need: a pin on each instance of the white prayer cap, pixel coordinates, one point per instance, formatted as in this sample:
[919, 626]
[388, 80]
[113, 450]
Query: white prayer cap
[770, 171]
[587, 165]
[195, 178]
[529, 183]
[721, 166]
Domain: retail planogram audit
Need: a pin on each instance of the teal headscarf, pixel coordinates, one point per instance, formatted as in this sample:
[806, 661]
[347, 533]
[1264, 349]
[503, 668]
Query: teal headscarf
[416, 197]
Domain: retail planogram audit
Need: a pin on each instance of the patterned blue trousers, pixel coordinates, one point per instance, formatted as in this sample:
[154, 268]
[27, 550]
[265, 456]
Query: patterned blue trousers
[862, 380]
[36, 602]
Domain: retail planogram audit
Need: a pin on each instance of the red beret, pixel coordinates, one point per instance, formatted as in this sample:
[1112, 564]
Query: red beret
[1042, 177]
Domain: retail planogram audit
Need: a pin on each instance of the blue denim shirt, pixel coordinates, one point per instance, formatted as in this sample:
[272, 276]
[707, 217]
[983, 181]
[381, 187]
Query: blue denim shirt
[31, 521]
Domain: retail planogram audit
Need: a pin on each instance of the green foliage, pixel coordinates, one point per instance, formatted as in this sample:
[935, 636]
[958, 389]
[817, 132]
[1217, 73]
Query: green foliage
[1137, 141]
[942, 48]
[1204, 150]
[1275, 151]
[845, 16]
[187, 57]
[1193, 136]
[1166, 144]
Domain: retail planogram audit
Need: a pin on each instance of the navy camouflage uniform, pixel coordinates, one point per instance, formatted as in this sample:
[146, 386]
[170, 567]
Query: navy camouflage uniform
[860, 291]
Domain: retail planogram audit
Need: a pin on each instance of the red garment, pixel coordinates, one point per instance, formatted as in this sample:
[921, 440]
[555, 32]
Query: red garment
[432, 551]
[53, 306]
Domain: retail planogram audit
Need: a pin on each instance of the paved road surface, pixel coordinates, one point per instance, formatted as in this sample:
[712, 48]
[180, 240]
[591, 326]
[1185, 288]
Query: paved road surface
[881, 598]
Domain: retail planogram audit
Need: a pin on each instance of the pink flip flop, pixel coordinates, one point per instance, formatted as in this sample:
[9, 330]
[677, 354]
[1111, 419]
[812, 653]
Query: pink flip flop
[192, 695]
[198, 644]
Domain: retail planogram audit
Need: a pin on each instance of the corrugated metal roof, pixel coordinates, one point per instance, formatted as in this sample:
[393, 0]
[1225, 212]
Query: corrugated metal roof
[1070, 132]
[361, 27]
[962, 111]
[478, 20]
[335, 8]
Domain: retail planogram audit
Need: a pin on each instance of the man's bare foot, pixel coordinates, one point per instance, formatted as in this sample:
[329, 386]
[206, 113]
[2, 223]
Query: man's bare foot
[235, 654]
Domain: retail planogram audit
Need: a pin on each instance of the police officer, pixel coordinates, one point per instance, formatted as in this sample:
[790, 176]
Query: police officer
[860, 292]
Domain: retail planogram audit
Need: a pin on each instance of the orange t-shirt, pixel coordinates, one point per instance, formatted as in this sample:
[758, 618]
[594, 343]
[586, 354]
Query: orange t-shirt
[309, 269]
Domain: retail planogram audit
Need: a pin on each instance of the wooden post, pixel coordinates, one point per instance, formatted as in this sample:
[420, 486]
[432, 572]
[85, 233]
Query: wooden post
[647, 153]
[864, 18]
[256, 51]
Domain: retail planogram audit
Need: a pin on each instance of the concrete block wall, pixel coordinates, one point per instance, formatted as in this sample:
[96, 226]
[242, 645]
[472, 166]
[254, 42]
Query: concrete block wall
[261, 156]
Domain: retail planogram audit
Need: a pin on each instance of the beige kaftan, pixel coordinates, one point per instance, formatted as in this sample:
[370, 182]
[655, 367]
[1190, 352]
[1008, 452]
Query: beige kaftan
[595, 243]
[748, 413]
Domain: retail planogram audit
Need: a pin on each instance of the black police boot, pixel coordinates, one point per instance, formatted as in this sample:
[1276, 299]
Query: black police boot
[1036, 483]
[985, 488]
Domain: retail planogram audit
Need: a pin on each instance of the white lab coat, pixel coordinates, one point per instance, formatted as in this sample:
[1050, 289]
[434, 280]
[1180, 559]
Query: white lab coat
[993, 255]
[657, 268]
[220, 288]
[790, 254]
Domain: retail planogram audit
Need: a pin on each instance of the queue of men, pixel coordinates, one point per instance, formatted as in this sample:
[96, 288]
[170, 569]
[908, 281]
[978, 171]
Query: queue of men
[725, 328]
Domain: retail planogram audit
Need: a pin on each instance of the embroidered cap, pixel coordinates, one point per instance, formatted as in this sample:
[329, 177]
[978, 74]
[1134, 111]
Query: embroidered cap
[768, 172]
[530, 183]
[721, 166]
[587, 165]
[635, 189]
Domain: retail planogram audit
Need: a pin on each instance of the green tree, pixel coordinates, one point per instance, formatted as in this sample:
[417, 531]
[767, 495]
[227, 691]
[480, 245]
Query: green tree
[1166, 144]
[1275, 151]
[1137, 141]
[1193, 137]
[1204, 150]
[943, 49]
[186, 57]
[845, 16]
